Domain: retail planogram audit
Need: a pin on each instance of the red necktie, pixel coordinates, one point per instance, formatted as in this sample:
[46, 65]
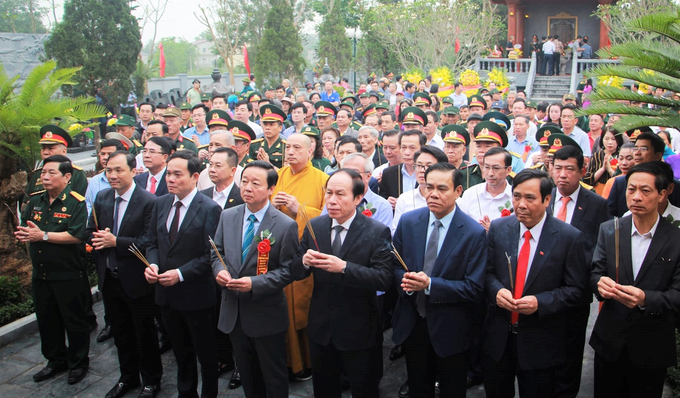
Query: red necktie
[152, 188]
[562, 214]
[521, 275]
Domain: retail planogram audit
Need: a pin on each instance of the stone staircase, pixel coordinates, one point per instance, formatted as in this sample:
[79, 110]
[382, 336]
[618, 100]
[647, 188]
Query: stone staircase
[550, 88]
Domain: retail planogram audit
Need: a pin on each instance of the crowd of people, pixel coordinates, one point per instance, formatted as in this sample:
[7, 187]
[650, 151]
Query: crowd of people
[280, 235]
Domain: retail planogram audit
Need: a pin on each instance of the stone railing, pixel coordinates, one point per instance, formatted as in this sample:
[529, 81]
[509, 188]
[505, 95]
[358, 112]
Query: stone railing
[532, 74]
[579, 65]
[521, 65]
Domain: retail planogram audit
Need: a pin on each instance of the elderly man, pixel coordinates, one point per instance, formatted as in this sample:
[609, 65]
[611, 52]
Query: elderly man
[368, 138]
[344, 122]
[325, 113]
[172, 117]
[391, 151]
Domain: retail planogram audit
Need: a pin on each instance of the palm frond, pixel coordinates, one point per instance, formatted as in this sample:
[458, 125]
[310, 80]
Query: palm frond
[655, 80]
[632, 121]
[614, 94]
[33, 80]
[665, 24]
[637, 55]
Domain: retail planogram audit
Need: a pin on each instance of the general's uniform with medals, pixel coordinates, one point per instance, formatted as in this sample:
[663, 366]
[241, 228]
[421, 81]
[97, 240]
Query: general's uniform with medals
[242, 132]
[277, 150]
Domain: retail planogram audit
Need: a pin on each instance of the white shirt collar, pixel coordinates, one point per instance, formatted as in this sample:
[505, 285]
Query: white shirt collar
[346, 224]
[224, 192]
[634, 230]
[157, 176]
[573, 196]
[128, 194]
[186, 202]
[506, 192]
[535, 230]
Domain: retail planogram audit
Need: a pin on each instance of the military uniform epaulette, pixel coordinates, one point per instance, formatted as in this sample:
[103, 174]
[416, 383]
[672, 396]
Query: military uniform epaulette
[283, 141]
[536, 166]
[512, 174]
[468, 166]
[75, 166]
[257, 140]
[137, 143]
[78, 196]
[202, 147]
[515, 154]
[38, 193]
[586, 186]
[39, 168]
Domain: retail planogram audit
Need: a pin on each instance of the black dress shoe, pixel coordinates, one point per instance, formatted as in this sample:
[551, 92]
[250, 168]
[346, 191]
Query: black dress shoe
[164, 347]
[48, 373]
[224, 367]
[76, 375]
[105, 334]
[404, 390]
[397, 352]
[150, 391]
[121, 389]
[235, 381]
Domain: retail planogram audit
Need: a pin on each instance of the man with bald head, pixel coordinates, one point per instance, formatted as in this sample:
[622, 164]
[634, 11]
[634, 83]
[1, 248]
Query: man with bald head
[218, 139]
[300, 184]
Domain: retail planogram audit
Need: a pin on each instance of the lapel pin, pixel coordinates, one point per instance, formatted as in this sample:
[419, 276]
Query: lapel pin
[541, 253]
[580, 208]
[231, 200]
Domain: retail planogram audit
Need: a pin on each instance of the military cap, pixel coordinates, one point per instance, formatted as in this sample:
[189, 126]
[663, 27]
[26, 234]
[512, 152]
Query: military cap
[51, 135]
[350, 98]
[196, 81]
[172, 112]
[245, 80]
[206, 97]
[254, 96]
[365, 94]
[488, 131]
[240, 130]
[557, 141]
[499, 118]
[125, 120]
[382, 105]
[413, 115]
[494, 91]
[185, 106]
[120, 137]
[347, 103]
[447, 100]
[217, 117]
[497, 105]
[272, 113]
[633, 133]
[477, 100]
[375, 94]
[544, 132]
[475, 116]
[311, 131]
[531, 104]
[569, 96]
[451, 110]
[456, 133]
[325, 108]
[370, 109]
[422, 99]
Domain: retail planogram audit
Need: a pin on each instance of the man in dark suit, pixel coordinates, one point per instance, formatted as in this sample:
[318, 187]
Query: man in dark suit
[400, 178]
[586, 211]
[156, 153]
[634, 335]
[254, 310]
[531, 291]
[123, 215]
[445, 251]
[352, 261]
[222, 170]
[179, 254]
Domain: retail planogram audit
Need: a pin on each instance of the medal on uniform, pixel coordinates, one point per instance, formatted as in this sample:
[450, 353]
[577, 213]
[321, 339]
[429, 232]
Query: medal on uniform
[264, 246]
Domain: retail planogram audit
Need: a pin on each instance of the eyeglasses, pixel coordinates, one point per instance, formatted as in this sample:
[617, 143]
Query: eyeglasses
[568, 117]
[642, 149]
[151, 152]
[495, 169]
[422, 167]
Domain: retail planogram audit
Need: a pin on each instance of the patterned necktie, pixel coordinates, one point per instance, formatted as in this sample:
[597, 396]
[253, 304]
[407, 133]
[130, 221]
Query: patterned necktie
[562, 214]
[174, 227]
[152, 187]
[521, 274]
[114, 230]
[428, 263]
[248, 238]
[337, 242]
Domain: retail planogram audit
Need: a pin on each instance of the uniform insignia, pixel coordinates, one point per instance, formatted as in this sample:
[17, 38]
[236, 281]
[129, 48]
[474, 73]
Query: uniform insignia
[409, 115]
[536, 166]
[484, 131]
[268, 111]
[76, 195]
[37, 192]
[512, 174]
[61, 215]
[215, 116]
[64, 196]
[278, 145]
[38, 181]
[234, 131]
[586, 186]
[515, 154]
[75, 166]
[231, 200]
[321, 109]
[48, 134]
[63, 209]
[37, 216]
[276, 154]
[137, 143]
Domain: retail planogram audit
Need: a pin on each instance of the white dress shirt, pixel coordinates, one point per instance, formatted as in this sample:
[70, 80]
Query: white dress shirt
[122, 207]
[343, 233]
[477, 202]
[535, 237]
[571, 205]
[437, 141]
[158, 178]
[378, 170]
[221, 196]
[204, 178]
[639, 245]
[186, 202]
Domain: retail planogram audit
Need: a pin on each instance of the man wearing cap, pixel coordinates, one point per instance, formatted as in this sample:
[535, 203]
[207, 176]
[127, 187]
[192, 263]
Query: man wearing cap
[243, 136]
[364, 101]
[172, 118]
[330, 95]
[54, 141]
[325, 114]
[477, 104]
[541, 161]
[194, 93]
[246, 86]
[272, 147]
[243, 112]
[456, 140]
[503, 121]
[185, 107]
[459, 99]
[206, 99]
[487, 135]
[300, 183]
[422, 101]
[343, 119]
[125, 125]
[217, 119]
[450, 115]
[413, 118]
[199, 133]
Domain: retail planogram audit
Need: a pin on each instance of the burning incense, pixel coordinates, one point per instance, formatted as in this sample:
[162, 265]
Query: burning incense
[134, 250]
[512, 285]
[398, 257]
[617, 227]
[219, 256]
[94, 217]
[305, 217]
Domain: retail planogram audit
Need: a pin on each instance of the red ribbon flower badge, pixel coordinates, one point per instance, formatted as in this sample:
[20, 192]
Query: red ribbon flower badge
[614, 162]
[264, 246]
[368, 210]
[506, 209]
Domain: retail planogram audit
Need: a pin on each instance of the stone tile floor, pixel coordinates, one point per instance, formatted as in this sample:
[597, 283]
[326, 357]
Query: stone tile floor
[21, 359]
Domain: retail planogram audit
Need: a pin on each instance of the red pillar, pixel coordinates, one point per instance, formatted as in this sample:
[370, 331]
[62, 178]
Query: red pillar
[513, 16]
[604, 31]
[519, 28]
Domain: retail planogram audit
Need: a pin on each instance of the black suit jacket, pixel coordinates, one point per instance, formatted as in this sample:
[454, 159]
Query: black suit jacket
[344, 307]
[132, 229]
[378, 158]
[161, 188]
[190, 253]
[617, 197]
[557, 278]
[392, 182]
[234, 198]
[648, 334]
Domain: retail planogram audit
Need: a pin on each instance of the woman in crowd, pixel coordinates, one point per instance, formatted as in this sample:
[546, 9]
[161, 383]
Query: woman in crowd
[625, 163]
[595, 124]
[328, 138]
[603, 163]
[554, 112]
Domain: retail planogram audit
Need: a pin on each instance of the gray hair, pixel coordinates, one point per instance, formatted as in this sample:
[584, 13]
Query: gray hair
[229, 135]
[525, 117]
[372, 130]
[368, 163]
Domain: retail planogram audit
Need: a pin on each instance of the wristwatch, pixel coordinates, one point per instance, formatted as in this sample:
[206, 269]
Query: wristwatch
[45, 237]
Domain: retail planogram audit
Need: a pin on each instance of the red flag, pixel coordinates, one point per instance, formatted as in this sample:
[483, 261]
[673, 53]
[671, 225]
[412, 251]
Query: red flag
[246, 61]
[161, 61]
[457, 45]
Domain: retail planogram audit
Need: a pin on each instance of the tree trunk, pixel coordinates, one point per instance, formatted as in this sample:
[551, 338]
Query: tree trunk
[14, 259]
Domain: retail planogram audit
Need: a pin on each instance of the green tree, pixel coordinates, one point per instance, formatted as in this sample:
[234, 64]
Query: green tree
[333, 43]
[654, 60]
[103, 38]
[21, 16]
[372, 54]
[278, 54]
[616, 17]
[179, 56]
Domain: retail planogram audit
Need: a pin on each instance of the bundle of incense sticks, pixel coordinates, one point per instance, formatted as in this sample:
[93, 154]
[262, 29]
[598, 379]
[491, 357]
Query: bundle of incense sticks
[94, 217]
[398, 256]
[512, 285]
[305, 217]
[617, 228]
[219, 256]
[134, 250]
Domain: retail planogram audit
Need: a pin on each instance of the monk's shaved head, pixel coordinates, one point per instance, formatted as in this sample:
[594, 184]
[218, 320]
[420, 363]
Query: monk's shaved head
[301, 139]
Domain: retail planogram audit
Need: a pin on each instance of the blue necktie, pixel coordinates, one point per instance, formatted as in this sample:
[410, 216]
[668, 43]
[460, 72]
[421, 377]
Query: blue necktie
[248, 238]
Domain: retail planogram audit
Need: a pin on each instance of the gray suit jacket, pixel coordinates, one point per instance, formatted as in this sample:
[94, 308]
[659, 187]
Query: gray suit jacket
[263, 310]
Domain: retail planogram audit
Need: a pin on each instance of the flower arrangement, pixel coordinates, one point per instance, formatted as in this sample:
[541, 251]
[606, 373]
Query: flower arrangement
[368, 210]
[445, 78]
[414, 75]
[471, 82]
[499, 77]
[611, 81]
[112, 121]
[506, 209]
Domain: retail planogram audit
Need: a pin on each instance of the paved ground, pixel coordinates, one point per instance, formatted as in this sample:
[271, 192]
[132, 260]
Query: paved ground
[20, 360]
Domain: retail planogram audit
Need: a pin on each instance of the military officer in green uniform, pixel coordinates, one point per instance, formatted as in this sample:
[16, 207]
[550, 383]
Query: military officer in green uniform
[413, 118]
[477, 104]
[325, 114]
[503, 121]
[349, 106]
[53, 141]
[488, 135]
[272, 147]
[450, 115]
[382, 107]
[125, 125]
[243, 137]
[447, 102]
[318, 160]
[254, 97]
[206, 99]
[173, 119]
[53, 222]
[185, 108]
[456, 139]
[422, 101]
[542, 135]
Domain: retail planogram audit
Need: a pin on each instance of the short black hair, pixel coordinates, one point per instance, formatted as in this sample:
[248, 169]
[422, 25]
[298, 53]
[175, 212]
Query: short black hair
[662, 172]
[65, 165]
[457, 84]
[456, 176]
[298, 105]
[507, 158]
[390, 133]
[421, 137]
[161, 106]
[244, 102]
[346, 139]
[358, 186]
[201, 106]
[520, 101]
[431, 150]
[433, 114]
[391, 114]
[573, 108]
[232, 156]
[153, 107]
[531, 174]
[569, 152]
[657, 143]
[193, 164]
[163, 143]
[164, 126]
[280, 87]
[349, 114]
[112, 142]
[214, 97]
[272, 175]
[408, 86]
[129, 159]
